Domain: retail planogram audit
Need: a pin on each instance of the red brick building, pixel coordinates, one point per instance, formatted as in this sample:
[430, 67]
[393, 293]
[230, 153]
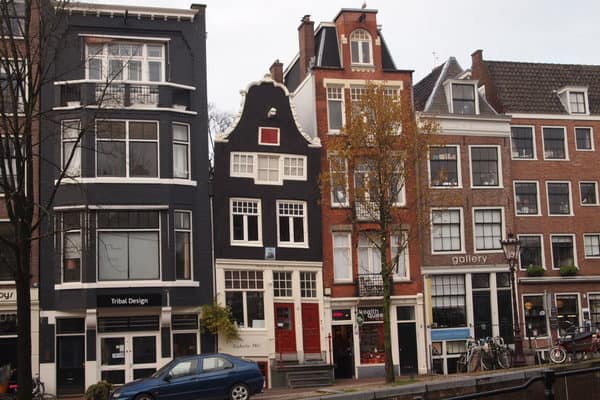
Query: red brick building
[334, 63]
[555, 120]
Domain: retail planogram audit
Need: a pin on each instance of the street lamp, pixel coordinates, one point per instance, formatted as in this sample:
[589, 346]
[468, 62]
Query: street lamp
[512, 247]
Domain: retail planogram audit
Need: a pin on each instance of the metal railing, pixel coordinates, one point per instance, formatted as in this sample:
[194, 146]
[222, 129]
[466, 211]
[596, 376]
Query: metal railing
[370, 285]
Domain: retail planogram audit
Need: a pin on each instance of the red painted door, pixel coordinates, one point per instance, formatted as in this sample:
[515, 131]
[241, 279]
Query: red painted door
[310, 328]
[285, 333]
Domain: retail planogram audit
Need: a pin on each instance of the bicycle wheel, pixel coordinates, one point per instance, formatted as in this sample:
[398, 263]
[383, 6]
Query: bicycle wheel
[558, 355]
[461, 363]
[487, 360]
[505, 358]
[474, 363]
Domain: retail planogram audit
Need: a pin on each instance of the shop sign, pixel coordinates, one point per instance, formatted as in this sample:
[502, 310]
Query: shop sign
[371, 314]
[341, 315]
[130, 300]
[8, 296]
[469, 259]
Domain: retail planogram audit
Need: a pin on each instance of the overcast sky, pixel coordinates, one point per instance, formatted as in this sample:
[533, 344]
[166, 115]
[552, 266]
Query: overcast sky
[246, 36]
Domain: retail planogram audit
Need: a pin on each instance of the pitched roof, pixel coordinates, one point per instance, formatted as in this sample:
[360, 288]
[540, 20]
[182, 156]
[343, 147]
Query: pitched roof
[430, 96]
[532, 87]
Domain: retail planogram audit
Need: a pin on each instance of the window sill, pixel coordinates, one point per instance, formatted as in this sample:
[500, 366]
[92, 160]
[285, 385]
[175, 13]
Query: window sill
[293, 245]
[588, 150]
[124, 284]
[561, 215]
[488, 187]
[523, 159]
[581, 204]
[119, 180]
[246, 244]
[528, 215]
[445, 187]
[348, 282]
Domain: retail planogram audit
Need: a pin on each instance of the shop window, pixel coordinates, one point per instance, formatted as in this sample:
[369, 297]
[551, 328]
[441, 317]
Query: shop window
[446, 231]
[245, 222]
[594, 303]
[567, 311]
[559, 198]
[308, 284]
[583, 139]
[563, 253]
[292, 223]
[8, 324]
[523, 143]
[71, 247]
[335, 107]
[443, 166]
[6, 232]
[342, 257]
[526, 198]
[535, 316]
[488, 229]
[555, 147]
[181, 151]
[371, 344]
[244, 295]
[282, 284]
[485, 166]
[183, 245]
[71, 148]
[448, 301]
[531, 251]
[128, 245]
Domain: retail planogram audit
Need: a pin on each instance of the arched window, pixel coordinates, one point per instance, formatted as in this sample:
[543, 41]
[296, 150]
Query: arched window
[360, 47]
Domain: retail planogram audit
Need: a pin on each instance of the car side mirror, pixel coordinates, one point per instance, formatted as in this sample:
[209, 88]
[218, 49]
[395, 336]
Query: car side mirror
[168, 377]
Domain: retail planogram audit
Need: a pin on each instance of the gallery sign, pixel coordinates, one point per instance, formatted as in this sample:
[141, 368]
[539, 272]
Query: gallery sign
[129, 300]
[8, 295]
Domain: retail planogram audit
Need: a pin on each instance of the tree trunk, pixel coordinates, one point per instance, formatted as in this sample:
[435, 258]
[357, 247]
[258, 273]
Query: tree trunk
[23, 282]
[386, 273]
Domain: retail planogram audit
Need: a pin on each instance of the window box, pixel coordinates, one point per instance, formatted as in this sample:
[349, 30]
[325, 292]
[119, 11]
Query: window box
[568, 270]
[535, 271]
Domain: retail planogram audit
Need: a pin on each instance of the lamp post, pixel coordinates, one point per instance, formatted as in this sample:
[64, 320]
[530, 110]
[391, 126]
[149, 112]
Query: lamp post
[512, 248]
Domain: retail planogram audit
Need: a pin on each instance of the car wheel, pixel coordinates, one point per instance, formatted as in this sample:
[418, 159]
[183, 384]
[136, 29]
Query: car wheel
[144, 396]
[239, 391]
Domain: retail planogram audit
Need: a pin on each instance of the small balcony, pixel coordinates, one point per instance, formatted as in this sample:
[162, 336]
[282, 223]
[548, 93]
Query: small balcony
[366, 211]
[370, 285]
[123, 94]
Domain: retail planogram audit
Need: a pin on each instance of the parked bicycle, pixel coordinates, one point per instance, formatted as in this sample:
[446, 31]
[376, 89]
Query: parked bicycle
[575, 342]
[38, 391]
[485, 354]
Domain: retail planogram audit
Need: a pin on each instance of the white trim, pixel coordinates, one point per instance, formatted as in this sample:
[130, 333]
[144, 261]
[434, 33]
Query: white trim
[124, 284]
[245, 241]
[347, 83]
[574, 241]
[281, 157]
[537, 196]
[565, 142]
[570, 213]
[534, 158]
[292, 243]
[541, 237]
[591, 129]
[104, 107]
[500, 184]
[462, 231]
[597, 203]
[189, 230]
[350, 269]
[124, 180]
[448, 88]
[577, 117]
[127, 207]
[371, 62]
[252, 263]
[458, 167]
[584, 254]
[438, 83]
[125, 37]
[153, 83]
[502, 229]
[564, 95]
[260, 129]
[331, 131]
[188, 144]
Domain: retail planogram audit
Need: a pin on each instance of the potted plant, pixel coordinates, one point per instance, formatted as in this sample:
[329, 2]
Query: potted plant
[98, 391]
[568, 270]
[535, 270]
[217, 319]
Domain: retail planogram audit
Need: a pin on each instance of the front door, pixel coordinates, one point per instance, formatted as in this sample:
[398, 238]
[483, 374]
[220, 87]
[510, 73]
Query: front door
[343, 354]
[285, 333]
[407, 345]
[70, 374]
[311, 337]
[124, 358]
[482, 314]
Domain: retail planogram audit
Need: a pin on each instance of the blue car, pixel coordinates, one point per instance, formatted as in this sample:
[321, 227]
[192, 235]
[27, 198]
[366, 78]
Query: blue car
[207, 376]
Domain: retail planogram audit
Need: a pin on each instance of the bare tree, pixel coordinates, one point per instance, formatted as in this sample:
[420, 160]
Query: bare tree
[219, 121]
[373, 162]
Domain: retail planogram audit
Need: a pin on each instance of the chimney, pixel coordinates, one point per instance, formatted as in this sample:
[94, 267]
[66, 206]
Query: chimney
[277, 71]
[477, 57]
[306, 36]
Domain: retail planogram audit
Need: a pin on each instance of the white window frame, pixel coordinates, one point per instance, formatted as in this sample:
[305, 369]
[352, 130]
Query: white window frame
[288, 177]
[127, 141]
[232, 157]
[534, 158]
[584, 245]
[188, 145]
[279, 180]
[245, 299]
[330, 130]
[582, 91]
[539, 205]
[462, 231]
[369, 40]
[64, 232]
[245, 242]
[280, 165]
[574, 249]
[500, 184]
[370, 247]
[291, 282]
[310, 284]
[502, 229]
[404, 253]
[565, 141]
[541, 236]
[570, 214]
[591, 129]
[334, 202]
[597, 203]
[303, 244]
[350, 278]
[548, 331]
[191, 232]
[260, 129]
[458, 167]
[77, 143]
[450, 91]
[579, 305]
[144, 59]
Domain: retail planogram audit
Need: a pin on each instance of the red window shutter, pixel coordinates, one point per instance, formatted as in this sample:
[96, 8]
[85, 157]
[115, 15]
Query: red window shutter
[269, 136]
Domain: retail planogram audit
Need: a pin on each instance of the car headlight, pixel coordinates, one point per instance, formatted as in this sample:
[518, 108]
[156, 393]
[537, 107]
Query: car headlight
[116, 395]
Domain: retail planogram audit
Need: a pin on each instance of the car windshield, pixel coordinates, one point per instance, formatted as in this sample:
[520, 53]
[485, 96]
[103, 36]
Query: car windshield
[162, 370]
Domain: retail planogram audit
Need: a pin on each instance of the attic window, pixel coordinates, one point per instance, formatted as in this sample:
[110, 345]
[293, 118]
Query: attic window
[360, 47]
[463, 98]
[577, 103]
[268, 136]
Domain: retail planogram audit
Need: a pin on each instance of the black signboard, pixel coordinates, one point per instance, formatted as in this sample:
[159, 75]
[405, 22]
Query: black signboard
[341, 315]
[129, 300]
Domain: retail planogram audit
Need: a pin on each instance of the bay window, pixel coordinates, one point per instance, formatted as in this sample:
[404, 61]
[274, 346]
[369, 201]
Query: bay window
[244, 296]
[125, 61]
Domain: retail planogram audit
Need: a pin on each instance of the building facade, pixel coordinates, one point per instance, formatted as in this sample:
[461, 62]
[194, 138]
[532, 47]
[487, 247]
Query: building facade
[127, 257]
[268, 227]
[464, 179]
[555, 117]
[334, 63]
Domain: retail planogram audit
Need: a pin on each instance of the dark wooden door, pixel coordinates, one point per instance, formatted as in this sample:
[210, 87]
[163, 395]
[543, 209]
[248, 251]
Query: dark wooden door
[343, 351]
[70, 377]
[407, 345]
[311, 337]
[285, 332]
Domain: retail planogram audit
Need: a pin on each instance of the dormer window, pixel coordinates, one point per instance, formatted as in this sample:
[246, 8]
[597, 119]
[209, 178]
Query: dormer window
[463, 99]
[577, 102]
[574, 99]
[360, 47]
